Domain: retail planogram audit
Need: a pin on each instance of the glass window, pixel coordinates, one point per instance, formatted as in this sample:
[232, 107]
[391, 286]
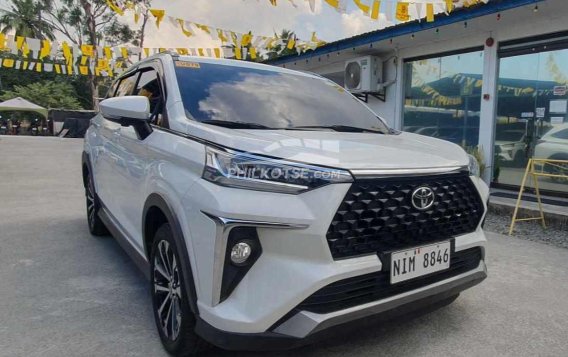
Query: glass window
[213, 92]
[532, 103]
[126, 86]
[443, 97]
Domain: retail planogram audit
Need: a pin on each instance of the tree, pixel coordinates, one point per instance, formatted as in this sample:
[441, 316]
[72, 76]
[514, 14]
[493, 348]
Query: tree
[48, 94]
[25, 18]
[87, 22]
[280, 49]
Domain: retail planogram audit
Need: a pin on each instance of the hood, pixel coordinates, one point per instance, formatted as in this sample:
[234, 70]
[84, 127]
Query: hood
[353, 151]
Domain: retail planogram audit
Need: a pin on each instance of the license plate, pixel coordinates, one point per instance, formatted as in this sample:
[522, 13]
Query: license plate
[415, 262]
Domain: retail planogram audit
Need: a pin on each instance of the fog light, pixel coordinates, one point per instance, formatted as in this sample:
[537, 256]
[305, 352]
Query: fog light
[240, 253]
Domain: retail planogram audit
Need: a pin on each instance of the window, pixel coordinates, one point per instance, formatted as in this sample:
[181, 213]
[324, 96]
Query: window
[269, 98]
[126, 86]
[532, 104]
[561, 135]
[149, 86]
[443, 97]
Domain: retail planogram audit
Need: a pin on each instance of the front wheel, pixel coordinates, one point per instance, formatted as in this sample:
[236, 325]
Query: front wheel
[172, 313]
[96, 225]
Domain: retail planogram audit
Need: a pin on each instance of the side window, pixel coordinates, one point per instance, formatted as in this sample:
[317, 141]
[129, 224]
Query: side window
[126, 86]
[149, 86]
[112, 89]
[562, 134]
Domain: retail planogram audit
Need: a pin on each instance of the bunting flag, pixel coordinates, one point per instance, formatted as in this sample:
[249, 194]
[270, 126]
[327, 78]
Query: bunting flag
[189, 28]
[406, 10]
[63, 58]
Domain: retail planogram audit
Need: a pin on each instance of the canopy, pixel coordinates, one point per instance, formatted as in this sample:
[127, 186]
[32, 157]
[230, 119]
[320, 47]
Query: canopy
[20, 104]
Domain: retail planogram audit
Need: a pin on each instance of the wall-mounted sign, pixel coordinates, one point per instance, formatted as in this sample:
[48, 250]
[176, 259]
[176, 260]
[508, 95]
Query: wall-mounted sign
[540, 112]
[556, 120]
[527, 115]
[560, 90]
[558, 106]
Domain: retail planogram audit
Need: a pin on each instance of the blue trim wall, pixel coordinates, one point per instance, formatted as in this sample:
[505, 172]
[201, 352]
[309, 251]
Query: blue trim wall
[493, 7]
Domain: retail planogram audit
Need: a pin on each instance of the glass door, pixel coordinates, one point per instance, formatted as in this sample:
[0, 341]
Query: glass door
[531, 115]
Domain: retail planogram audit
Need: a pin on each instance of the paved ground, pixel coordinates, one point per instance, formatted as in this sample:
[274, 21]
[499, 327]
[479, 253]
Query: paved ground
[65, 293]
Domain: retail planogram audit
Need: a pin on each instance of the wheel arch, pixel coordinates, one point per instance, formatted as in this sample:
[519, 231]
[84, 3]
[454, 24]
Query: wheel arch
[156, 212]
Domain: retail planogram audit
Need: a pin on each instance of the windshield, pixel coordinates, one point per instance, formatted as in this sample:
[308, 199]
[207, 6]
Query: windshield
[214, 92]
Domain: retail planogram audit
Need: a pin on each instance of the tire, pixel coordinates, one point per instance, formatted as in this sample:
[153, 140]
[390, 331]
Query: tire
[96, 225]
[172, 312]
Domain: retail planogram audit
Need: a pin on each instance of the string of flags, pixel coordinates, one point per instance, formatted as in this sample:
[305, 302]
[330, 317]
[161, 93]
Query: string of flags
[401, 11]
[43, 55]
[239, 40]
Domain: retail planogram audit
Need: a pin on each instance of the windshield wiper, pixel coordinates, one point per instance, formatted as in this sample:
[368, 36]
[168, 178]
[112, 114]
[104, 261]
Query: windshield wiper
[234, 124]
[340, 128]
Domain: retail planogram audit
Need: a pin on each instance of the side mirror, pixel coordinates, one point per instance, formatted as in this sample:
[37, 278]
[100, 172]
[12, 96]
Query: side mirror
[128, 110]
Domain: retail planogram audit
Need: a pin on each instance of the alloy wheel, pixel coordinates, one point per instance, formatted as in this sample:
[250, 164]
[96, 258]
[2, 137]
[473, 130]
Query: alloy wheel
[91, 209]
[167, 290]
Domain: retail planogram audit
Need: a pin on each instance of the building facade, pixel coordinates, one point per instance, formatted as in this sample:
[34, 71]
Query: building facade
[492, 77]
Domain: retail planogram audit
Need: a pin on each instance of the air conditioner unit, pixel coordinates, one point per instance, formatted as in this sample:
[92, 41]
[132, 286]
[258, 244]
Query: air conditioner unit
[363, 74]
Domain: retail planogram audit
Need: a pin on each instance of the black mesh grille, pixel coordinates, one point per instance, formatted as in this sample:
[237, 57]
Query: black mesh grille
[376, 215]
[375, 286]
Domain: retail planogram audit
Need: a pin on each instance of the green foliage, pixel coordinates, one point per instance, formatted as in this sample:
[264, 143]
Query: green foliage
[25, 18]
[48, 94]
[280, 50]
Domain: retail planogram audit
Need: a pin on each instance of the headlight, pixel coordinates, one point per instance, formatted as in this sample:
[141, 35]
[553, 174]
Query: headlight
[254, 172]
[473, 166]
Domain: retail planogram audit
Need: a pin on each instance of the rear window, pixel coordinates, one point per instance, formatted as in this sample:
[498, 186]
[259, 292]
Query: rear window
[268, 98]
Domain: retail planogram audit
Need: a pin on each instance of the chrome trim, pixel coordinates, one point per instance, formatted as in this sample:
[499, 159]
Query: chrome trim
[305, 323]
[223, 228]
[407, 172]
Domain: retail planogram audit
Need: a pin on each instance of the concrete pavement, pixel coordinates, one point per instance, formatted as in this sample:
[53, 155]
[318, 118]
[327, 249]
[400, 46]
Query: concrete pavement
[66, 293]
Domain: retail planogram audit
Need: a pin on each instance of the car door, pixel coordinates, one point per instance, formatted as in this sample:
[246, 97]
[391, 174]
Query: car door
[109, 161]
[132, 152]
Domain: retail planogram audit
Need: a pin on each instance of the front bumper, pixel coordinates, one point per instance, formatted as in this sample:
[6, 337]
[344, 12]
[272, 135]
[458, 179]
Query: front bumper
[296, 261]
[305, 327]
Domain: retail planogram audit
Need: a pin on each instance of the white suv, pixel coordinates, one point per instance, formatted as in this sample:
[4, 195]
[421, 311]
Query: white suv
[270, 207]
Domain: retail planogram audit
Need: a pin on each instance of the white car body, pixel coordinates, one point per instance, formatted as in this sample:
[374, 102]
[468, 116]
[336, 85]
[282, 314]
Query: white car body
[554, 144]
[296, 260]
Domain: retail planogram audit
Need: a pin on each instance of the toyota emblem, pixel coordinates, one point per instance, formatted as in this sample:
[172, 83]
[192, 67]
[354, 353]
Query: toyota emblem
[422, 198]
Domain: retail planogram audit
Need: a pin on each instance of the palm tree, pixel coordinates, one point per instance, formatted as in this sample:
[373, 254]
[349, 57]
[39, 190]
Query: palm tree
[280, 49]
[25, 18]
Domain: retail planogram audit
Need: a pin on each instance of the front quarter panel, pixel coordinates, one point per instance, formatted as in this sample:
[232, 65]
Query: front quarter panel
[174, 164]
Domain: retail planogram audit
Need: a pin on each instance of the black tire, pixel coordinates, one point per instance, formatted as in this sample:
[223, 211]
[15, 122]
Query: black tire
[96, 225]
[170, 298]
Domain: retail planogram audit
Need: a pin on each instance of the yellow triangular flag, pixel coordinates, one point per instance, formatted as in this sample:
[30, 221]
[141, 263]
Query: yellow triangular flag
[375, 10]
[247, 38]
[8, 62]
[114, 7]
[364, 7]
[159, 15]
[449, 6]
[204, 28]
[291, 44]
[402, 11]
[45, 49]
[333, 3]
[430, 12]
[185, 31]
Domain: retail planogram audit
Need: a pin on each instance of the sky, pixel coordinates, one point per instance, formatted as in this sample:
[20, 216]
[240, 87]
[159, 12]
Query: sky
[259, 17]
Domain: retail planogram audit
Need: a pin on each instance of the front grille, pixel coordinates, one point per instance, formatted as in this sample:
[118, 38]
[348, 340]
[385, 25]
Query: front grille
[377, 215]
[375, 286]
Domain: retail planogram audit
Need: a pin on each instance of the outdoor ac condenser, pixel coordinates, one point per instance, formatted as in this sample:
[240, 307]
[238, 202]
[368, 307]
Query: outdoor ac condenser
[363, 74]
